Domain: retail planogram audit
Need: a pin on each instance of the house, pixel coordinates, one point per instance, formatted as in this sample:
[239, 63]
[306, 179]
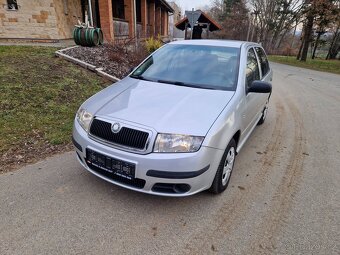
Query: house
[55, 19]
[195, 23]
[116, 18]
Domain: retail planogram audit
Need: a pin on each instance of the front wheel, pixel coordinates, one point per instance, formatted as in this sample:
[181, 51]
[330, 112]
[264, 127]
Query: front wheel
[225, 169]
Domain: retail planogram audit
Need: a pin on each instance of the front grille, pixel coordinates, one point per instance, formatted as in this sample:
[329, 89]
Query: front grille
[136, 183]
[128, 137]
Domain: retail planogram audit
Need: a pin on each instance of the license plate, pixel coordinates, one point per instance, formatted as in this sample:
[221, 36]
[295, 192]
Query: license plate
[111, 165]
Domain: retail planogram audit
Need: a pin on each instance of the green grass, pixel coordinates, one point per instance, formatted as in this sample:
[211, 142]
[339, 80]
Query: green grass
[332, 66]
[39, 96]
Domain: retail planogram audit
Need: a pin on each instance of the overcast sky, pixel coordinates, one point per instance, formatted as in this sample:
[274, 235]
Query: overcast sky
[189, 4]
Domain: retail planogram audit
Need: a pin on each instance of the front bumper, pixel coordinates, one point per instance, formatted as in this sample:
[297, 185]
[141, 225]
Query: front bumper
[194, 169]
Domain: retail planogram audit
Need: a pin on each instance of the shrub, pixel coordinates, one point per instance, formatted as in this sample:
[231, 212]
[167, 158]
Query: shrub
[127, 54]
[153, 44]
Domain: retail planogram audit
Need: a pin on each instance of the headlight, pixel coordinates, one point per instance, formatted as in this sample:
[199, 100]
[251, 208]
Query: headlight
[84, 118]
[177, 143]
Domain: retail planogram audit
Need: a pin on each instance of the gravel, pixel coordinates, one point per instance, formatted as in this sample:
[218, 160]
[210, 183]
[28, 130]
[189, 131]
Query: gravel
[116, 60]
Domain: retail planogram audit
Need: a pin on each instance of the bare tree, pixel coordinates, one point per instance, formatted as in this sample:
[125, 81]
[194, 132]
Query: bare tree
[335, 27]
[275, 19]
[233, 16]
[319, 14]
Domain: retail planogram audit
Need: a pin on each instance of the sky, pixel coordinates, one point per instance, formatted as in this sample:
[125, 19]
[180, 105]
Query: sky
[189, 4]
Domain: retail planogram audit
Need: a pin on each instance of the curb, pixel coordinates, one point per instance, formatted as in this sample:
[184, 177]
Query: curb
[98, 70]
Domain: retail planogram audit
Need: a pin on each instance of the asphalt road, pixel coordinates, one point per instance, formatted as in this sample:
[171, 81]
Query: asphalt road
[283, 197]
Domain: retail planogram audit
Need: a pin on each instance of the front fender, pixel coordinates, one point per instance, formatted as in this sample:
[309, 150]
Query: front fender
[225, 127]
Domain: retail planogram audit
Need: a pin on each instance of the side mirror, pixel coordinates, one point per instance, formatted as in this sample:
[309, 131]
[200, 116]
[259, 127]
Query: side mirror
[260, 87]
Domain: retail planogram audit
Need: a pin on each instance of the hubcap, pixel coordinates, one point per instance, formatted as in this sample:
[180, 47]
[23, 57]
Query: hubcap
[228, 165]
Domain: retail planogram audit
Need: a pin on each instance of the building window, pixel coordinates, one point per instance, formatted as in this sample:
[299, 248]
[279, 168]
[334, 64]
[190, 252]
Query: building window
[139, 10]
[118, 9]
[12, 5]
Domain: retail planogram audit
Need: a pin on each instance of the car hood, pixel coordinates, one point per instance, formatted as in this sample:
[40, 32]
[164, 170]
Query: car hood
[164, 107]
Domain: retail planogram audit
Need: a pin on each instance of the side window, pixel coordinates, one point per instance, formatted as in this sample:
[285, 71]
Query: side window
[263, 61]
[252, 71]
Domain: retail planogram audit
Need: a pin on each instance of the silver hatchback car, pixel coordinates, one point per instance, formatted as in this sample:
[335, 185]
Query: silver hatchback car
[174, 125]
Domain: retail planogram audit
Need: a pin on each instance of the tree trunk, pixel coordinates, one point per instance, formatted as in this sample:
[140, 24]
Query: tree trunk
[334, 48]
[281, 39]
[292, 43]
[300, 49]
[308, 35]
[316, 44]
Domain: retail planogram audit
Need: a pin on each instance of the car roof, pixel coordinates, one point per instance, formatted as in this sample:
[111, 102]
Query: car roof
[221, 43]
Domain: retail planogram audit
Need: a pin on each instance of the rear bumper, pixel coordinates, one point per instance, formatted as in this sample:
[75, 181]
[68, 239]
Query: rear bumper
[196, 170]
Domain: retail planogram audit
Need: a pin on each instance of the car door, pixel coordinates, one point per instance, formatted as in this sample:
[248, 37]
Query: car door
[253, 101]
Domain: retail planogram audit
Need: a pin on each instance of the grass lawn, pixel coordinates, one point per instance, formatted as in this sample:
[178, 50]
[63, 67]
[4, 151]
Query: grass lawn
[39, 96]
[332, 66]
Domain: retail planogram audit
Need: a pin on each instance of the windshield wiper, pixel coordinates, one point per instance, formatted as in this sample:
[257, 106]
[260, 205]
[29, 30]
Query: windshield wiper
[179, 83]
[172, 82]
[140, 77]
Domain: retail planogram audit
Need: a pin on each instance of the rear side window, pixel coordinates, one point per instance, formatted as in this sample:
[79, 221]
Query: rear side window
[263, 61]
[252, 71]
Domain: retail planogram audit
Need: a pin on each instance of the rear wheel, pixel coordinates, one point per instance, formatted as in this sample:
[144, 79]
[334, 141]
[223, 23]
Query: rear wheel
[225, 169]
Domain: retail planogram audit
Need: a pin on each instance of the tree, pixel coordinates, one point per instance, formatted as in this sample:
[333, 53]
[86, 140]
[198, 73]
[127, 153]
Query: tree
[233, 16]
[335, 45]
[308, 30]
[319, 14]
[335, 27]
[274, 20]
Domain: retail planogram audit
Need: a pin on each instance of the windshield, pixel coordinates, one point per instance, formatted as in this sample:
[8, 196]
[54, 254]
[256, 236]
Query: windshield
[200, 66]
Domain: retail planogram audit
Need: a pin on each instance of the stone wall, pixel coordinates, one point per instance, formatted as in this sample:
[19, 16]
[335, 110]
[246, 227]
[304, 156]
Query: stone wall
[39, 19]
[65, 12]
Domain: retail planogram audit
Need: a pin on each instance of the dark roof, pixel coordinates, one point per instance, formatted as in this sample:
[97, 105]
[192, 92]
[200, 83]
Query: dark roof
[168, 7]
[204, 18]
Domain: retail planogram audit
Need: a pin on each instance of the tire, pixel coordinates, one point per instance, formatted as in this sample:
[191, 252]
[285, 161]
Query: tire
[225, 169]
[94, 38]
[75, 36]
[88, 38]
[83, 37]
[264, 115]
[100, 35]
